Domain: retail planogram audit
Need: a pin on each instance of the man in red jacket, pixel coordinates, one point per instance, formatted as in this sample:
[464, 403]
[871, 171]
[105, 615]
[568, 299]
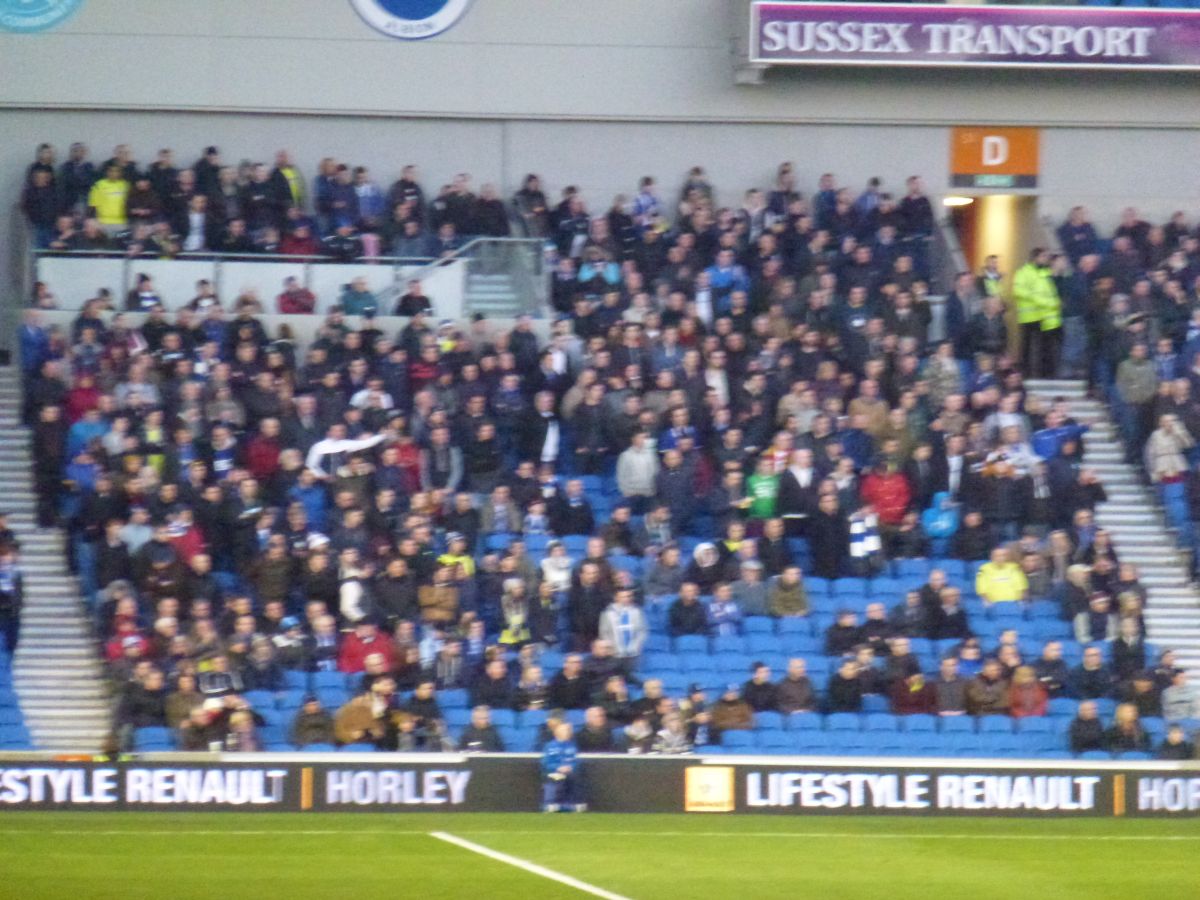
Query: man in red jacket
[295, 299]
[262, 453]
[360, 644]
[886, 489]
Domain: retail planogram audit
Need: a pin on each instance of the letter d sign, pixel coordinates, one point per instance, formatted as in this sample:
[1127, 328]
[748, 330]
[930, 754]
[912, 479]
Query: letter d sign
[995, 150]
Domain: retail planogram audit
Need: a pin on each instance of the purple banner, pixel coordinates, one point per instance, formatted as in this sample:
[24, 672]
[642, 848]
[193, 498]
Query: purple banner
[988, 36]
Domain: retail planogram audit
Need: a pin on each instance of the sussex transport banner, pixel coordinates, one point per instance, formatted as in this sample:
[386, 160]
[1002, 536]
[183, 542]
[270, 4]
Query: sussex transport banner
[974, 36]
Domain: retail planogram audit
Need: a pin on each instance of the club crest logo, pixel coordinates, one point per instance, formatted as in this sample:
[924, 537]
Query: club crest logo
[409, 20]
[28, 16]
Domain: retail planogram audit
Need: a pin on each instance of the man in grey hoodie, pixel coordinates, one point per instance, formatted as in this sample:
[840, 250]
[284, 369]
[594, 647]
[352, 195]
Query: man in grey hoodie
[637, 467]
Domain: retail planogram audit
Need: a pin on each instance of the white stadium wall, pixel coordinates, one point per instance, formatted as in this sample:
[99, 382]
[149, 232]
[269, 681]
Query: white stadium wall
[594, 93]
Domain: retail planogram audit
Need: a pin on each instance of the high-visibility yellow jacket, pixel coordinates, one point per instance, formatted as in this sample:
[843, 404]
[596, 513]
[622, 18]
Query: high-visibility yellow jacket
[1035, 294]
[108, 197]
[1003, 583]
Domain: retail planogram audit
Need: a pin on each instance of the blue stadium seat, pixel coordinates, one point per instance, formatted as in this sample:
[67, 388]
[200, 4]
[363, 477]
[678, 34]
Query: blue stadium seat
[759, 644]
[495, 543]
[358, 748]
[880, 721]
[814, 742]
[698, 662]
[11, 715]
[802, 645]
[655, 643]
[956, 724]
[521, 740]
[995, 725]
[661, 662]
[729, 643]
[260, 700]
[532, 718]
[752, 625]
[1095, 755]
[804, 721]
[793, 625]
[737, 740]
[333, 698]
[912, 568]
[964, 744]
[1044, 610]
[1001, 744]
[153, 738]
[817, 585]
[886, 590]
[1105, 707]
[768, 720]
[954, 569]
[876, 703]
[691, 643]
[773, 740]
[332, 680]
[459, 717]
[920, 723]
[1062, 706]
[1033, 725]
[843, 721]
[295, 681]
[849, 587]
[1134, 756]
[504, 718]
[290, 699]
[457, 698]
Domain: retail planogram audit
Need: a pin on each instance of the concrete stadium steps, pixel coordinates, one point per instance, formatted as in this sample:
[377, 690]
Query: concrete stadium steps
[57, 672]
[493, 295]
[1134, 516]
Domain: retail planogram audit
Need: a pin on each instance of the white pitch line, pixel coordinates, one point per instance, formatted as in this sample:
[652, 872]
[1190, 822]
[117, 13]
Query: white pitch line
[526, 865]
[817, 835]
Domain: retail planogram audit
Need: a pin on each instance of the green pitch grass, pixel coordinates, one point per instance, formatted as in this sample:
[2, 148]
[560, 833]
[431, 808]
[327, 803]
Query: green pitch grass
[310, 855]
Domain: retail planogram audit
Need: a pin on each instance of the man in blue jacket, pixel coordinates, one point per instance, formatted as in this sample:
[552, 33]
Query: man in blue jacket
[560, 773]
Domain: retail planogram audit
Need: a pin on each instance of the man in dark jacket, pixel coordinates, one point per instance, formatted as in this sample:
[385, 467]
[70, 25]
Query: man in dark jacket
[687, 615]
[759, 691]
[845, 691]
[795, 693]
[495, 689]
[1087, 731]
[569, 689]
[1092, 679]
[481, 735]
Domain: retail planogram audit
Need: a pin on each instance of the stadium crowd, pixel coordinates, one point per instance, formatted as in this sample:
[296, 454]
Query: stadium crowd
[737, 443]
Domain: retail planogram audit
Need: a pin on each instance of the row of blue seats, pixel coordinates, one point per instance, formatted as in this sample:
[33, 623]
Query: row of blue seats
[804, 642]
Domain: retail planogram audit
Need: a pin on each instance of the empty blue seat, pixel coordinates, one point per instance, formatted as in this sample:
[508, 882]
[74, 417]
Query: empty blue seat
[691, 643]
[885, 589]
[1105, 707]
[151, 738]
[802, 645]
[532, 718]
[260, 700]
[804, 721]
[817, 585]
[1062, 706]
[655, 643]
[321, 748]
[880, 721]
[813, 742]
[843, 721]
[1134, 756]
[1043, 609]
[759, 644]
[355, 748]
[954, 569]
[919, 723]
[575, 543]
[521, 740]
[709, 750]
[875, 703]
[328, 680]
[913, 568]
[457, 698]
[728, 643]
[956, 724]
[295, 681]
[964, 744]
[849, 587]
[995, 725]
[459, 717]
[697, 662]
[333, 698]
[10, 715]
[495, 543]
[768, 720]
[794, 625]
[660, 662]
[1096, 755]
[737, 740]
[1033, 725]
[758, 625]
[504, 718]
[1001, 744]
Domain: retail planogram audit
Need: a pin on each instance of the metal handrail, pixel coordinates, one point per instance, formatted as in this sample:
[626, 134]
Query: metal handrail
[240, 257]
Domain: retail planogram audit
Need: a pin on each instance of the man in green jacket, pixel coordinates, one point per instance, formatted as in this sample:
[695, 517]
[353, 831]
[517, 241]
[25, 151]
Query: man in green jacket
[1039, 311]
[1137, 385]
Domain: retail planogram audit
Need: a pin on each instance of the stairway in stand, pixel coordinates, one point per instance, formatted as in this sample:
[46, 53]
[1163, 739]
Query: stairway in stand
[1134, 517]
[57, 672]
